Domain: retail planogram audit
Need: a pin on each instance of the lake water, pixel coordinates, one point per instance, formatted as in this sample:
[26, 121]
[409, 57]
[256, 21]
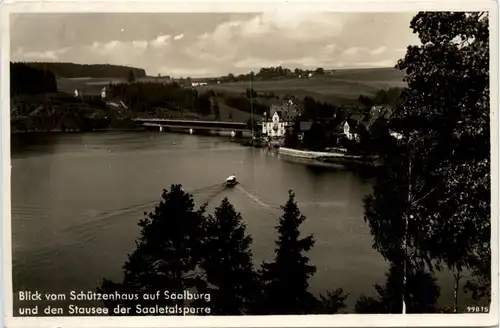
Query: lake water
[77, 198]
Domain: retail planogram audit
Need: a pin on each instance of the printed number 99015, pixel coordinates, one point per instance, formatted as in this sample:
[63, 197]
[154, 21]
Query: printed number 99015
[478, 309]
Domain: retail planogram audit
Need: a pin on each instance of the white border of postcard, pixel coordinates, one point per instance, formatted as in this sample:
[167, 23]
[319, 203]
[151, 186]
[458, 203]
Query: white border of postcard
[347, 320]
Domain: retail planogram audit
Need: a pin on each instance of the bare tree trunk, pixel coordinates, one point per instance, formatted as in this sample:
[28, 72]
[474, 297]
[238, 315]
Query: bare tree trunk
[180, 301]
[405, 240]
[457, 276]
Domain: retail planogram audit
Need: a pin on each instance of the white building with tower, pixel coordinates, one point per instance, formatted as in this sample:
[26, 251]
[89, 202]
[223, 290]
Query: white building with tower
[279, 119]
[275, 127]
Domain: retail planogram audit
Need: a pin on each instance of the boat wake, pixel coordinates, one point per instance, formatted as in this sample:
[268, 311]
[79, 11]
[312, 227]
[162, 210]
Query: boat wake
[255, 198]
[301, 205]
[321, 204]
[207, 189]
[82, 233]
[213, 192]
[103, 219]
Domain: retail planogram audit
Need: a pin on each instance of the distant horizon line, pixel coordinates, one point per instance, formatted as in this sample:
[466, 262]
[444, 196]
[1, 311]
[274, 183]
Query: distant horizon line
[195, 77]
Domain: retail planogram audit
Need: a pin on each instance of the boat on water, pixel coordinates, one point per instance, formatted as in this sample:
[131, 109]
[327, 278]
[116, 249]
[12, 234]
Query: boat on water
[231, 181]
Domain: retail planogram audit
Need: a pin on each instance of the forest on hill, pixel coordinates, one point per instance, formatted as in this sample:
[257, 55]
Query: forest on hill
[25, 79]
[72, 70]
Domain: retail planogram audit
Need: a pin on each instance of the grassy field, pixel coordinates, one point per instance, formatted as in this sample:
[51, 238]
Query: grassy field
[343, 88]
[344, 84]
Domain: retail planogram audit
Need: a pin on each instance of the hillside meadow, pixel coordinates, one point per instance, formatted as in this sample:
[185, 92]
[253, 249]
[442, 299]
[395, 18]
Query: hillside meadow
[343, 88]
[348, 83]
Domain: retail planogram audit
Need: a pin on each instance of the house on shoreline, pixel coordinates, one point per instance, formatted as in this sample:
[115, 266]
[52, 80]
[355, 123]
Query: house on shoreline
[279, 119]
[355, 122]
[198, 84]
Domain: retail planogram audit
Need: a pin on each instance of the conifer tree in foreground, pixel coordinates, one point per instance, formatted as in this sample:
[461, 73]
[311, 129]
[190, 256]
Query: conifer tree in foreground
[227, 262]
[332, 302]
[167, 252]
[285, 281]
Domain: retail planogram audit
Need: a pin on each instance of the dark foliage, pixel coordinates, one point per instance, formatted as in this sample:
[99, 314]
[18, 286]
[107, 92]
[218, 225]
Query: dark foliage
[251, 93]
[332, 302]
[291, 137]
[422, 293]
[252, 124]
[182, 249]
[227, 263]
[380, 141]
[272, 73]
[131, 77]
[246, 105]
[319, 71]
[167, 255]
[146, 97]
[454, 64]
[431, 201]
[71, 70]
[383, 97]
[203, 104]
[216, 109]
[314, 139]
[285, 281]
[25, 79]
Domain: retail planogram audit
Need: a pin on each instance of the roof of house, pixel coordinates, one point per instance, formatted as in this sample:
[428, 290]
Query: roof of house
[305, 126]
[352, 123]
[356, 117]
[284, 106]
[377, 110]
[388, 113]
[277, 112]
[368, 120]
[284, 114]
[339, 128]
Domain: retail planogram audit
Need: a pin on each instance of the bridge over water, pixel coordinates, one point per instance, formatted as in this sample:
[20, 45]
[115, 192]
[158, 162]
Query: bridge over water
[193, 124]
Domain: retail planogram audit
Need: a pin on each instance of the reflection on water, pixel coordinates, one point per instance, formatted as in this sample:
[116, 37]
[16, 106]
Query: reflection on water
[77, 198]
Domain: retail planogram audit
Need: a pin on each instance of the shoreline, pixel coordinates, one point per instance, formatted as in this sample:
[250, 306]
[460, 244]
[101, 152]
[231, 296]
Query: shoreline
[77, 131]
[239, 140]
[329, 157]
[312, 157]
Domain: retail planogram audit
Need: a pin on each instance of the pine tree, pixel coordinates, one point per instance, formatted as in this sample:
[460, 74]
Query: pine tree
[285, 281]
[131, 77]
[167, 252]
[227, 263]
[332, 302]
[216, 109]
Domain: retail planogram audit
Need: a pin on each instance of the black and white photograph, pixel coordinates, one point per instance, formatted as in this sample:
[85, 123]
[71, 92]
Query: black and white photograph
[252, 163]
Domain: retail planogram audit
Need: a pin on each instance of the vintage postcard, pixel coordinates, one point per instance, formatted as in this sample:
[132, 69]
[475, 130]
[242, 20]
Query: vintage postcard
[188, 164]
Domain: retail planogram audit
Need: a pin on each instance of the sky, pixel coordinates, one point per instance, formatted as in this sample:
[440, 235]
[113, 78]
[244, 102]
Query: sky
[202, 44]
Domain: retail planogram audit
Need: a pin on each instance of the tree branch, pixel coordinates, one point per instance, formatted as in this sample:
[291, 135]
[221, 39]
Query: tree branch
[424, 196]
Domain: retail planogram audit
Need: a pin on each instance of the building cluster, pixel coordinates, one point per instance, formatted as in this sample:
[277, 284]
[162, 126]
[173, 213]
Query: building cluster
[281, 118]
[198, 84]
[110, 102]
[353, 123]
